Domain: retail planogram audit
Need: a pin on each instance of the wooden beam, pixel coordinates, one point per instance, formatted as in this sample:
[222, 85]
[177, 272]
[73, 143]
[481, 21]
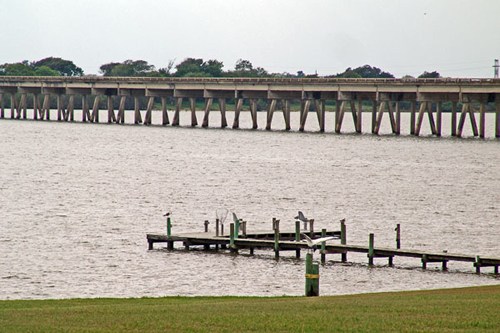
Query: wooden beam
[178, 106]
[270, 113]
[237, 111]
[164, 114]
[305, 111]
[208, 106]
[192, 104]
[222, 108]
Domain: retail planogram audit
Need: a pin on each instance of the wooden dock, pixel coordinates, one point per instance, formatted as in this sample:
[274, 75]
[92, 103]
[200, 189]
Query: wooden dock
[287, 241]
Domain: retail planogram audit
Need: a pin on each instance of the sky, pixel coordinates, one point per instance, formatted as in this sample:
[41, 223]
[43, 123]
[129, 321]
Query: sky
[457, 38]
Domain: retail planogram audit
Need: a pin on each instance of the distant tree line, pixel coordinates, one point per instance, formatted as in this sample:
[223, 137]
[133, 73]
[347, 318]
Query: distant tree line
[189, 67]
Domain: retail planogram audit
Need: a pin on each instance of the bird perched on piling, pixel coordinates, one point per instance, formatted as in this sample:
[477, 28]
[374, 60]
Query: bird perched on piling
[167, 213]
[313, 243]
[301, 217]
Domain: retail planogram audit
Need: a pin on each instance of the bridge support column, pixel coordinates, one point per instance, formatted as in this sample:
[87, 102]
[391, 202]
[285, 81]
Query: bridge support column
[286, 113]
[467, 109]
[59, 108]
[2, 110]
[339, 117]
[425, 107]
[121, 110]
[237, 111]
[374, 115]
[46, 107]
[378, 122]
[398, 119]
[35, 107]
[178, 106]
[253, 112]
[482, 120]
[164, 114]
[270, 113]
[439, 119]
[95, 110]
[85, 109]
[208, 106]
[359, 117]
[149, 110]
[222, 108]
[305, 110]
[412, 117]
[111, 111]
[137, 111]
[71, 107]
[17, 108]
[497, 117]
[454, 119]
[24, 106]
[320, 112]
[194, 121]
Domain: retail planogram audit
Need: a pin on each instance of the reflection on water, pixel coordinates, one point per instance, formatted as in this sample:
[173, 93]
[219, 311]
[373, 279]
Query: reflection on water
[78, 199]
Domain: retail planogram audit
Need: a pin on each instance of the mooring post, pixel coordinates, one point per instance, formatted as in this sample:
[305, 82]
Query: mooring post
[297, 231]
[236, 228]
[343, 238]
[276, 243]
[312, 276]
[244, 228]
[169, 227]
[150, 245]
[274, 223]
[311, 227]
[477, 263]
[424, 261]
[217, 227]
[323, 247]
[222, 229]
[206, 225]
[231, 237]
[371, 250]
[398, 236]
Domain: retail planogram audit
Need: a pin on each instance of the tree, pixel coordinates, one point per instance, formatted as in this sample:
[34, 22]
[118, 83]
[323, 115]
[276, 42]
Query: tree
[429, 75]
[366, 71]
[128, 68]
[46, 71]
[17, 69]
[213, 67]
[63, 67]
[243, 66]
[189, 66]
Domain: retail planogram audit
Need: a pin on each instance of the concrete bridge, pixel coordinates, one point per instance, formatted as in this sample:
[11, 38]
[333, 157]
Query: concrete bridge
[469, 98]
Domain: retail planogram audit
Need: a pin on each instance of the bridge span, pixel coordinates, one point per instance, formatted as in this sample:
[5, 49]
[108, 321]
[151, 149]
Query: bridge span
[469, 98]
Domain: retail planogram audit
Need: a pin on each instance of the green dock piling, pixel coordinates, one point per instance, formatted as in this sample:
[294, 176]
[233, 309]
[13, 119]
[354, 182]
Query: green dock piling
[206, 223]
[297, 231]
[398, 236]
[276, 243]
[371, 251]
[312, 276]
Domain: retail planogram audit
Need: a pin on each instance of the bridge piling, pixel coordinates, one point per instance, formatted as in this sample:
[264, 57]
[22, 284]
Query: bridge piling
[286, 113]
[164, 115]
[2, 111]
[222, 108]
[497, 118]
[178, 106]
[208, 106]
[111, 111]
[237, 111]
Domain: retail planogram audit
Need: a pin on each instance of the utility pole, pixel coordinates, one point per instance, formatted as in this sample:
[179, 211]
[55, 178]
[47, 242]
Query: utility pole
[496, 66]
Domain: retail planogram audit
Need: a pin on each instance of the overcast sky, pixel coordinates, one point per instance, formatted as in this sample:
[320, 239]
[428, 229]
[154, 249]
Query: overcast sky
[458, 38]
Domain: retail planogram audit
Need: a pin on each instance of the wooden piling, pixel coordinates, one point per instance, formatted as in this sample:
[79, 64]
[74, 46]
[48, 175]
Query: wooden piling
[111, 110]
[244, 228]
[286, 114]
[453, 118]
[412, 117]
[35, 106]
[276, 243]
[206, 225]
[208, 107]
[374, 115]
[343, 239]
[137, 111]
[482, 120]
[236, 228]
[95, 110]
[398, 118]
[178, 106]
[477, 264]
[217, 227]
[312, 277]
[149, 110]
[85, 109]
[2, 111]
[339, 117]
[231, 237]
[320, 111]
[305, 111]
[323, 247]
[438, 119]
[497, 116]
[222, 108]
[371, 251]
[120, 119]
[169, 227]
[270, 113]
[398, 236]
[359, 118]
[311, 227]
[253, 112]
[297, 231]
[70, 112]
[237, 111]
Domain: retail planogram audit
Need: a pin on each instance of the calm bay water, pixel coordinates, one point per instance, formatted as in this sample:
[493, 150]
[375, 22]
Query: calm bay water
[78, 199]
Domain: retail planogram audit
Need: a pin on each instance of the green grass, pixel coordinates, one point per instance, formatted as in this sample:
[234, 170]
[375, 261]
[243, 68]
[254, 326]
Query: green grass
[453, 310]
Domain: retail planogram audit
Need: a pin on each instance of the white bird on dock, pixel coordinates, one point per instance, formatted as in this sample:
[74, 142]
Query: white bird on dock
[312, 243]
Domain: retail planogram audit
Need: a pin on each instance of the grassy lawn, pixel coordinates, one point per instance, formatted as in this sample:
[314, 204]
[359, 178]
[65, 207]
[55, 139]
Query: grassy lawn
[453, 310]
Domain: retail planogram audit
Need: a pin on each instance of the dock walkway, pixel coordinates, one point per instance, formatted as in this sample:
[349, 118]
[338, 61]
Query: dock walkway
[286, 241]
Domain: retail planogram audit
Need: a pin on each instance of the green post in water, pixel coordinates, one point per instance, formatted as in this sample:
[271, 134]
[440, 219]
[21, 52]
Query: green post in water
[323, 247]
[312, 276]
[343, 238]
[276, 243]
[297, 231]
[371, 250]
[169, 227]
[236, 228]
